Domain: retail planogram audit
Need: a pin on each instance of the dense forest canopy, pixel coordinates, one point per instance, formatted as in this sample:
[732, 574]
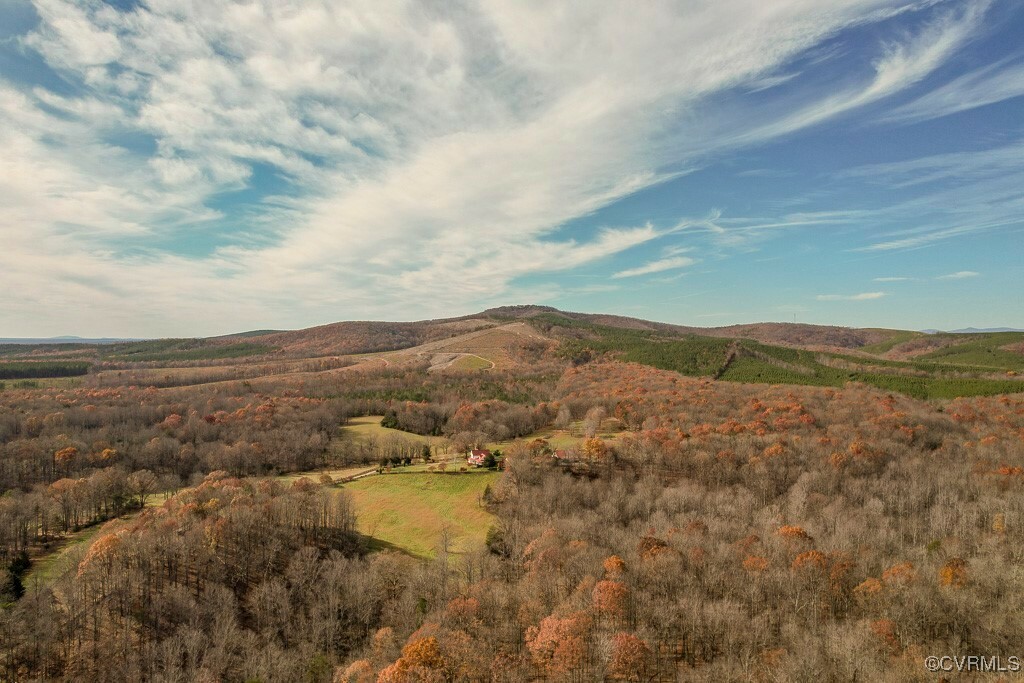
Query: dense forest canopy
[201, 520]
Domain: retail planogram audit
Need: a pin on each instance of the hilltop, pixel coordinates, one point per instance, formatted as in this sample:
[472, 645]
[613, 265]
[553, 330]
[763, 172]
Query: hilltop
[375, 336]
[516, 338]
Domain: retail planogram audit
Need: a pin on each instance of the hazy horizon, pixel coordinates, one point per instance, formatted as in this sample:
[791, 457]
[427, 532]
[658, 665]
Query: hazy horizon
[74, 338]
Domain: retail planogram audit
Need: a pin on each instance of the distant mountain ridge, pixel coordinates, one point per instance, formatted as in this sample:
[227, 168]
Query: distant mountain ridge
[66, 339]
[974, 330]
[513, 339]
[357, 337]
[360, 336]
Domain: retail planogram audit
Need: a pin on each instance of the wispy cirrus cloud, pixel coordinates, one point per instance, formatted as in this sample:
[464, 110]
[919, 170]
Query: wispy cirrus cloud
[658, 266]
[863, 296]
[928, 235]
[984, 86]
[954, 194]
[959, 275]
[890, 279]
[904, 64]
[991, 163]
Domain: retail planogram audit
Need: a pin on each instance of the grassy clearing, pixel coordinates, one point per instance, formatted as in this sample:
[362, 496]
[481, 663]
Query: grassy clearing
[471, 362]
[41, 383]
[336, 475]
[369, 427]
[411, 510]
[50, 563]
[611, 430]
[898, 337]
[62, 556]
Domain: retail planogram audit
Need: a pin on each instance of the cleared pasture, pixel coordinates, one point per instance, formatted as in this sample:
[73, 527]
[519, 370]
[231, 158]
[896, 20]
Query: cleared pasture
[413, 511]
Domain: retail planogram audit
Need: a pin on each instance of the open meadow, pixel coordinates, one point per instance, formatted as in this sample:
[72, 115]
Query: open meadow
[414, 512]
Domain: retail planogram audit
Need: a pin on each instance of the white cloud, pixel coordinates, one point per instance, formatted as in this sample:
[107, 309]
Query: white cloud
[959, 275]
[990, 84]
[432, 155]
[890, 279]
[71, 36]
[864, 296]
[961, 166]
[922, 237]
[961, 193]
[772, 81]
[903, 65]
[657, 267]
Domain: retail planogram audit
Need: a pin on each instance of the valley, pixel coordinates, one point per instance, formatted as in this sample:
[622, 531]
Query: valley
[653, 493]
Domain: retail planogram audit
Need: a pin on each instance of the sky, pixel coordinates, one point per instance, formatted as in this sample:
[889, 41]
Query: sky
[182, 168]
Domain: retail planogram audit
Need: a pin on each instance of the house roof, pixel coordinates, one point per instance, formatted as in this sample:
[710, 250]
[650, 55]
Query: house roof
[481, 452]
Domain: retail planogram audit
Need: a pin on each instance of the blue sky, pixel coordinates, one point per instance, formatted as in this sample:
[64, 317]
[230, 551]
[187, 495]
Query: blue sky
[175, 168]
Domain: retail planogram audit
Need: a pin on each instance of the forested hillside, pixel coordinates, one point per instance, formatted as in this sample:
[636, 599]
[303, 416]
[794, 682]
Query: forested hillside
[647, 524]
[976, 366]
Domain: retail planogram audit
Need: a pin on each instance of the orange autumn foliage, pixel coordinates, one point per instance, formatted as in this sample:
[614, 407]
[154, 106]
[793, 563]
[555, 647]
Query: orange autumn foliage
[793, 533]
[868, 588]
[812, 559]
[755, 564]
[66, 455]
[953, 574]
[558, 645]
[359, 671]
[630, 656]
[610, 598]
[103, 550]
[594, 448]
[902, 573]
[172, 421]
[838, 459]
[614, 566]
[885, 629]
[421, 660]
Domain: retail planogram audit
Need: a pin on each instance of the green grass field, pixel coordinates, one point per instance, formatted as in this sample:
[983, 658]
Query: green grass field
[336, 474]
[65, 552]
[49, 567]
[410, 511]
[898, 337]
[471, 362]
[369, 426]
[40, 383]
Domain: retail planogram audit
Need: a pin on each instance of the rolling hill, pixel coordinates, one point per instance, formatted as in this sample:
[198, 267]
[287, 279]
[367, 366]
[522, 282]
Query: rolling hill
[939, 365]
